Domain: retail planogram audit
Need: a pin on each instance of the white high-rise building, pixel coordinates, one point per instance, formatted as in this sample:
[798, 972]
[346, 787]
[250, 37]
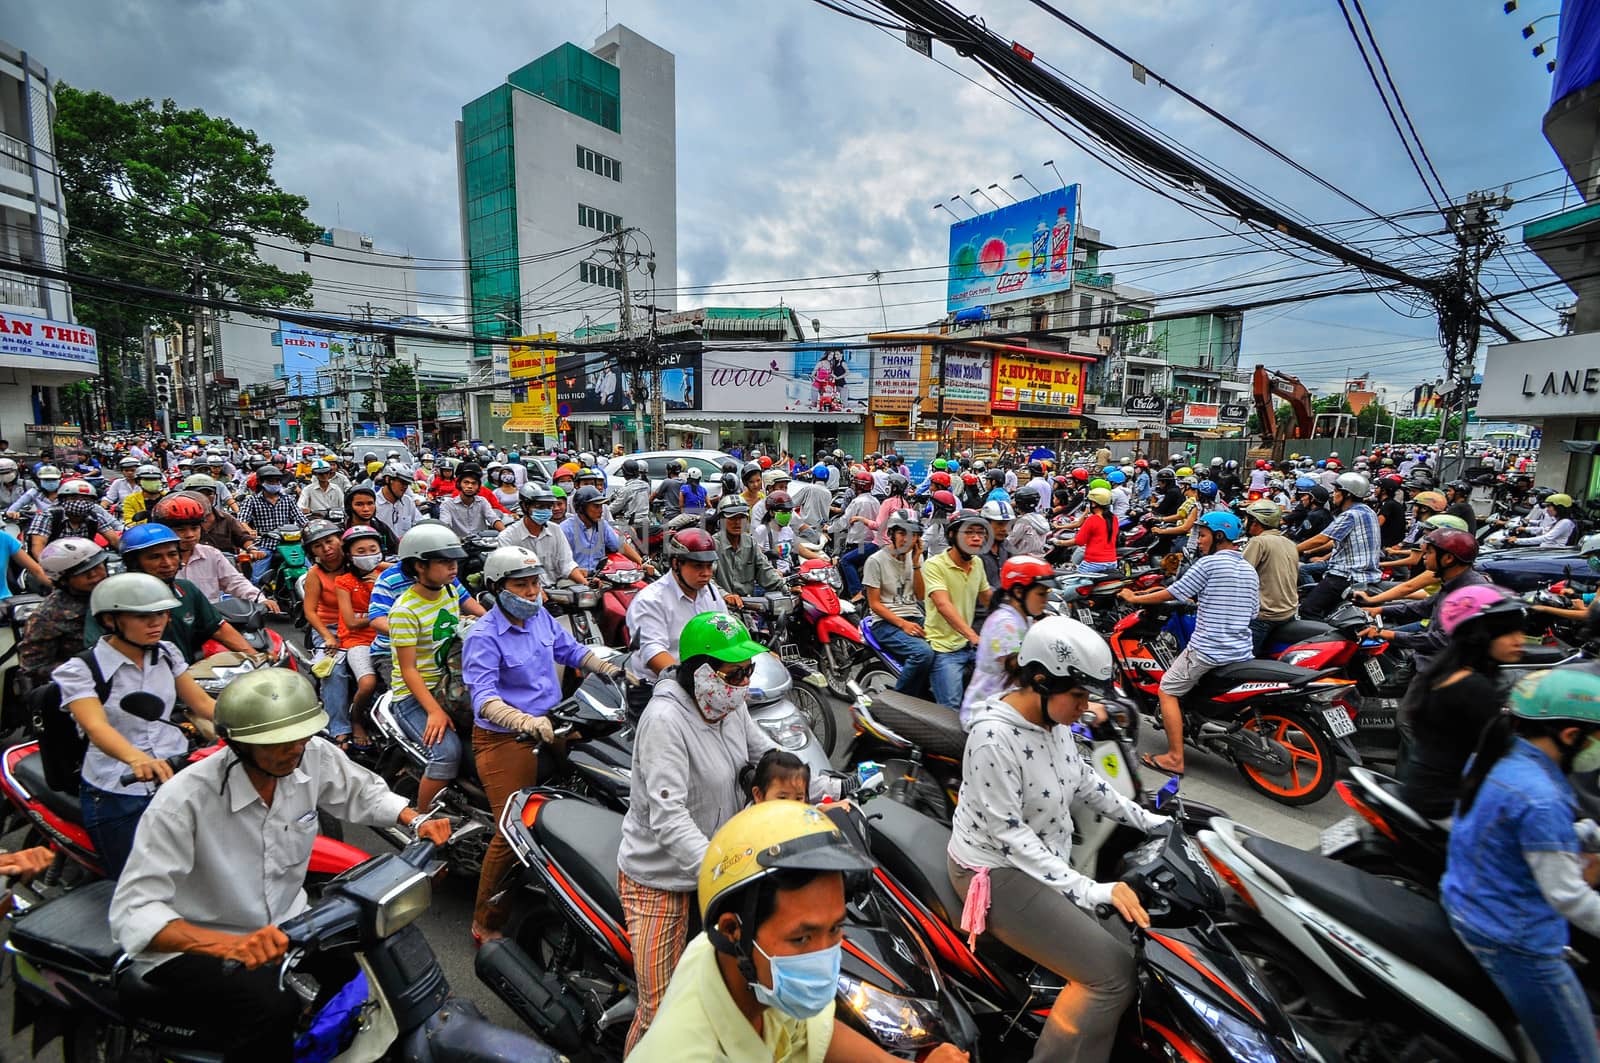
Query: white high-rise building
[41, 346]
[570, 147]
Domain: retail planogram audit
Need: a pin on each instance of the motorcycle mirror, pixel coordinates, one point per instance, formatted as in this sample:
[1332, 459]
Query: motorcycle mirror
[145, 705]
[487, 599]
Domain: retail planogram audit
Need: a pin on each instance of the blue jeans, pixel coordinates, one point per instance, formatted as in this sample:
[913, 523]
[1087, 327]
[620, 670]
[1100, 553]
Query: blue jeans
[850, 567]
[914, 654]
[1544, 992]
[444, 756]
[259, 569]
[111, 820]
[335, 691]
[1097, 568]
[949, 675]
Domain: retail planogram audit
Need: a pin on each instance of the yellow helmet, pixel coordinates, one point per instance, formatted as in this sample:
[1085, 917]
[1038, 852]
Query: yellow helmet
[772, 836]
[374, 467]
[1185, 471]
[1559, 499]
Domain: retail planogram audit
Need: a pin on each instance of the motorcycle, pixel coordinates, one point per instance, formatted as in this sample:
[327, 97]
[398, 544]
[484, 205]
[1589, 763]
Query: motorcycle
[73, 980]
[288, 569]
[1276, 722]
[1366, 964]
[56, 819]
[770, 621]
[477, 547]
[618, 580]
[566, 965]
[250, 620]
[14, 614]
[1198, 1000]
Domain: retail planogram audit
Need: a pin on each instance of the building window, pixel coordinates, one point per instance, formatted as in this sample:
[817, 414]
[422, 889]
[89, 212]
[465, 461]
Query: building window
[590, 218]
[596, 163]
[590, 273]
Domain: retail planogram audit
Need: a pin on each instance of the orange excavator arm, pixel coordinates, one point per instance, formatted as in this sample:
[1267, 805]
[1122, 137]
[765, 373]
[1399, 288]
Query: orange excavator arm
[1268, 384]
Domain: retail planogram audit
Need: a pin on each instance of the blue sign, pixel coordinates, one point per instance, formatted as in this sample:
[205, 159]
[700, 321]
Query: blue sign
[305, 354]
[1016, 252]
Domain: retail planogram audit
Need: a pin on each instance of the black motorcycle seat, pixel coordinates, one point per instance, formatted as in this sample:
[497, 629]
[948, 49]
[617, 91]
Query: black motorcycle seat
[73, 931]
[1408, 924]
[1541, 654]
[583, 839]
[1297, 630]
[241, 614]
[29, 771]
[1259, 671]
[930, 726]
[911, 847]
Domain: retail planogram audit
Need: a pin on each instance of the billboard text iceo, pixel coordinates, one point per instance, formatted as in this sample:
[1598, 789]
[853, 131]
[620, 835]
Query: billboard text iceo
[1016, 252]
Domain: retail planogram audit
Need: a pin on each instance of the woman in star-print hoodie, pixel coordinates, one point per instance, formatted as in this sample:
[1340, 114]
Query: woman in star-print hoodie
[1011, 843]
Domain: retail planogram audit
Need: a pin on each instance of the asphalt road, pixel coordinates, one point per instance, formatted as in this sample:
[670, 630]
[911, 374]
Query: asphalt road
[1208, 779]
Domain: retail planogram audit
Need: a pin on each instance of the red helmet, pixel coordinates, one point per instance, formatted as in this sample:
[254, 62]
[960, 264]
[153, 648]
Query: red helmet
[692, 544]
[861, 479]
[1025, 570]
[1261, 463]
[179, 509]
[1141, 464]
[969, 478]
[940, 479]
[764, 461]
[1458, 544]
[1081, 475]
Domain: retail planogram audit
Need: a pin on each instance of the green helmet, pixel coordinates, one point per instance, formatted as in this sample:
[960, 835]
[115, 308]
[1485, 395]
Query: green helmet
[1558, 694]
[1446, 520]
[269, 707]
[1100, 482]
[717, 635]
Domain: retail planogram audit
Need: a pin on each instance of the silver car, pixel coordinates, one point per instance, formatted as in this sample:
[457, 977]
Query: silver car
[709, 462]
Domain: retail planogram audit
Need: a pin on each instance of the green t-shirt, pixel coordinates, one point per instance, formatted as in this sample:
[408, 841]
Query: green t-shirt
[940, 573]
[428, 624]
[188, 626]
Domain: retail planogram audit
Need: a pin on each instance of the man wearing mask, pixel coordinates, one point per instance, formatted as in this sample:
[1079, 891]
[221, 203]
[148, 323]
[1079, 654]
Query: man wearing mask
[469, 513]
[76, 513]
[36, 500]
[152, 485]
[1355, 539]
[267, 510]
[741, 566]
[396, 506]
[537, 531]
[592, 537]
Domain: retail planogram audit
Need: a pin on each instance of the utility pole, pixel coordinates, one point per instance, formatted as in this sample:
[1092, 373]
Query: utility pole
[1475, 225]
[202, 408]
[638, 381]
[942, 450]
[416, 378]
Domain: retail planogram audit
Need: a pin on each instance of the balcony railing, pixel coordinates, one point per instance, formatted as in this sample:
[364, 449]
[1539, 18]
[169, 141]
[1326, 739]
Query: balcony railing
[17, 289]
[13, 153]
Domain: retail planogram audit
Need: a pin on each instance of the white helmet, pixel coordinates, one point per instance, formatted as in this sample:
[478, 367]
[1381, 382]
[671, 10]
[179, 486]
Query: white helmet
[510, 562]
[998, 510]
[71, 556]
[131, 592]
[431, 541]
[1589, 544]
[147, 472]
[49, 472]
[1068, 649]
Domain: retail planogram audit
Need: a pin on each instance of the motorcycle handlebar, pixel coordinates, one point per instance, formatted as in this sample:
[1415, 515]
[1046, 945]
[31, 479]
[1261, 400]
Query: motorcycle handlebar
[177, 762]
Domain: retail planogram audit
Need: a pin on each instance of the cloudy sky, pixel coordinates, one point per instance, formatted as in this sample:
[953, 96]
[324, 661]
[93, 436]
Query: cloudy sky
[813, 145]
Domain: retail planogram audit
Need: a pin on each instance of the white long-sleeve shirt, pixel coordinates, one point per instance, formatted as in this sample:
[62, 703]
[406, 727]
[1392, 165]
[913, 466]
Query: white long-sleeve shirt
[1019, 782]
[1558, 534]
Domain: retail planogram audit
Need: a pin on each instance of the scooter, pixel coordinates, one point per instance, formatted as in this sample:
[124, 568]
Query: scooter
[771, 623]
[566, 965]
[56, 819]
[1198, 1000]
[1366, 964]
[14, 614]
[1277, 723]
[73, 980]
[288, 568]
[618, 580]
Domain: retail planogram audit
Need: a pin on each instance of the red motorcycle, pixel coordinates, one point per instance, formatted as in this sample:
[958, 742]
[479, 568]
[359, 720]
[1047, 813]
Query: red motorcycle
[1281, 725]
[57, 818]
[618, 580]
[825, 628]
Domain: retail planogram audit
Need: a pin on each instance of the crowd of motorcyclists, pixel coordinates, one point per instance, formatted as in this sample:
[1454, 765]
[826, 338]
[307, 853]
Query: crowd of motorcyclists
[409, 571]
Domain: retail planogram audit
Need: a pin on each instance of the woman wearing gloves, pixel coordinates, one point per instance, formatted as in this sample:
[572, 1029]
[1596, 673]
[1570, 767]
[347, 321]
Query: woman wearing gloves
[1011, 840]
[1516, 876]
[508, 663]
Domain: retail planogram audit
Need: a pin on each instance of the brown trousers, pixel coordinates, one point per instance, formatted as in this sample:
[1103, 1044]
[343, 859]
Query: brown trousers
[504, 767]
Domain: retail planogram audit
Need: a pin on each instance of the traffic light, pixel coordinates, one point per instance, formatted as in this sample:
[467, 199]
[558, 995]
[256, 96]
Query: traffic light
[163, 387]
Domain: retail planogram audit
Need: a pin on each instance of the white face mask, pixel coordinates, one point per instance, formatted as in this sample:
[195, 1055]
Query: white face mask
[366, 562]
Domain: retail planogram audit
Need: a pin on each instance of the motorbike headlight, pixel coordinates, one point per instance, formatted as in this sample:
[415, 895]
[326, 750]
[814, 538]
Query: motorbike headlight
[898, 1023]
[1242, 1041]
[401, 906]
[834, 579]
[789, 732]
[781, 605]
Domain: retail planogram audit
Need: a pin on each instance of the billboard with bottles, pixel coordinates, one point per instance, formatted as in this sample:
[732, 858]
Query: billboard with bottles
[1017, 252]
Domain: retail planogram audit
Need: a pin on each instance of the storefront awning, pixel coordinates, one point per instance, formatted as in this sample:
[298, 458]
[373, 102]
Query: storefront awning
[523, 424]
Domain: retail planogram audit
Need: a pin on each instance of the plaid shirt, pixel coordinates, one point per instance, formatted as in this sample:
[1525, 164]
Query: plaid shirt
[267, 514]
[96, 520]
[52, 634]
[1356, 551]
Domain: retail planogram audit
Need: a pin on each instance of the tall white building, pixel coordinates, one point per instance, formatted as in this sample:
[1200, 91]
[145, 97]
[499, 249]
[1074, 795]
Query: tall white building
[41, 346]
[572, 146]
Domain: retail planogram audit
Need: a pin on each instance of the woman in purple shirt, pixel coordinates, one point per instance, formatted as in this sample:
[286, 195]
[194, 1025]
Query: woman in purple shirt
[508, 662]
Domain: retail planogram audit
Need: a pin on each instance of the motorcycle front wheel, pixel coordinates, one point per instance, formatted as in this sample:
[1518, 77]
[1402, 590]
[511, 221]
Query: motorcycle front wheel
[814, 709]
[875, 677]
[1312, 760]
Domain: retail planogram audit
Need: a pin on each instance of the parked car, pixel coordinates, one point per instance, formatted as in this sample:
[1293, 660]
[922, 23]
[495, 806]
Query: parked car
[709, 462]
[381, 445]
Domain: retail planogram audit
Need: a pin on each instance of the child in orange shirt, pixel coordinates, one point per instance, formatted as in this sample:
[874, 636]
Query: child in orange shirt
[363, 547]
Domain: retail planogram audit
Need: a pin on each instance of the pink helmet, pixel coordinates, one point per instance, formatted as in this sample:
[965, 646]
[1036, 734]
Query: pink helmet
[1472, 603]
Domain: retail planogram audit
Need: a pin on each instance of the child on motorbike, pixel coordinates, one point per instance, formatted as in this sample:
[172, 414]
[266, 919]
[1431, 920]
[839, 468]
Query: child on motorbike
[363, 547]
[780, 776]
[1516, 874]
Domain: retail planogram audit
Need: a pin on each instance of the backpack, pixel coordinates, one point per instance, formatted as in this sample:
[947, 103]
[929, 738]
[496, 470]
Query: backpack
[61, 745]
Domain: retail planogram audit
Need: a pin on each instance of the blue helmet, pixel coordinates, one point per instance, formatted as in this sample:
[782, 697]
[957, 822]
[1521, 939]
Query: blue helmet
[820, 471]
[1304, 483]
[144, 536]
[1108, 470]
[1223, 524]
[1117, 476]
[1207, 489]
[1322, 464]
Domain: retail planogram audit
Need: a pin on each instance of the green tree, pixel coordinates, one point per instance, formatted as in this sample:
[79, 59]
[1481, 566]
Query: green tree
[156, 193]
[310, 418]
[400, 396]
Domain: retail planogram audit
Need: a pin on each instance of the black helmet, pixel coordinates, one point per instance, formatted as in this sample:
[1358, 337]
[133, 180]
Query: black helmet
[630, 469]
[750, 469]
[1319, 494]
[674, 467]
[898, 484]
[583, 496]
[994, 476]
[1026, 500]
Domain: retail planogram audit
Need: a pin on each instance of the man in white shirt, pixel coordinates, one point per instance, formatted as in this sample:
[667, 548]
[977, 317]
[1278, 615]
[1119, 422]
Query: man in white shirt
[657, 614]
[220, 859]
[538, 532]
[396, 506]
[323, 497]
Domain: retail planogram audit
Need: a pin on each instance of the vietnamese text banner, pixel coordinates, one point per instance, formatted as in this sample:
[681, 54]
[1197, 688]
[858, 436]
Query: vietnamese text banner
[39, 337]
[1028, 384]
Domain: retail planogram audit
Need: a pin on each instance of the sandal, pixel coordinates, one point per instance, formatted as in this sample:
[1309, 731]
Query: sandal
[1150, 762]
